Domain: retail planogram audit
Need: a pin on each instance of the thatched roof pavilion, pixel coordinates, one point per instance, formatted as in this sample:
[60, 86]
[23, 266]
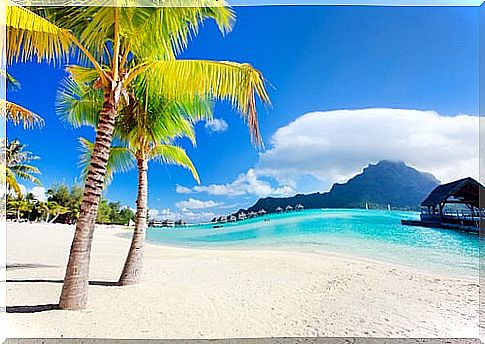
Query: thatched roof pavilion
[262, 212]
[465, 191]
[279, 209]
[288, 207]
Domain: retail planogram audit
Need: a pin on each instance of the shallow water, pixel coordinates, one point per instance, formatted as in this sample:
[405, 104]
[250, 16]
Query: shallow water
[367, 234]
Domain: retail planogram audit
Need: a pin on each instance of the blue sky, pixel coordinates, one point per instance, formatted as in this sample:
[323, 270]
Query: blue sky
[317, 59]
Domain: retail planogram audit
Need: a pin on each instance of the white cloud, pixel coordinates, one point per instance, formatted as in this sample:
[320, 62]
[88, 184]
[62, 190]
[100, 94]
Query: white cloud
[184, 214]
[153, 213]
[183, 190]
[334, 145]
[216, 125]
[193, 203]
[39, 193]
[247, 183]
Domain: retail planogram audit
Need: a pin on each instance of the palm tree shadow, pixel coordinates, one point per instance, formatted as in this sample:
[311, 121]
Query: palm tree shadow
[97, 283]
[32, 308]
[50, 306]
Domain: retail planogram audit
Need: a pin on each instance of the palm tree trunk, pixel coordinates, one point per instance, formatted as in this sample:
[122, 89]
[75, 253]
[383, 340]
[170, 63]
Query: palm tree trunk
[74, 293]
[134, 261]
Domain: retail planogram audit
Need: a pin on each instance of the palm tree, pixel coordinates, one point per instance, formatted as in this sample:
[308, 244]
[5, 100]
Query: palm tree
[16, 167]
[121, 43]
[147, 127]
[14, 112]
[19, 205]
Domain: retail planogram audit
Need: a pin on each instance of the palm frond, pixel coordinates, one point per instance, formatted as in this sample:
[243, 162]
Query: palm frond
[26, 176]
[78, 104]
[188, 79]
[11, 83]
[171, 154]
[164, 30]
[18, 114]
[12, 183]
[30, 35]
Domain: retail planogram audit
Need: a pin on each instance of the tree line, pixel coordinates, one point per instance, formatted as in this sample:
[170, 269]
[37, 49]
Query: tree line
[62, 205]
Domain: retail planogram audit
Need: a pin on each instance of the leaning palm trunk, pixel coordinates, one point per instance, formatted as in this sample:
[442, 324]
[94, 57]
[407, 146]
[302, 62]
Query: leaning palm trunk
[74, 293]
[134, 261]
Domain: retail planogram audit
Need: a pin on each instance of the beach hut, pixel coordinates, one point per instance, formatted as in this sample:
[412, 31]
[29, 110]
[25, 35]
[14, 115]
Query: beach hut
[241, 216]
[261, 212]
[252, 214]
[454, 205]
[232, 218]
[279, 209]
[289, 208]
[299, 206]
[222, 219]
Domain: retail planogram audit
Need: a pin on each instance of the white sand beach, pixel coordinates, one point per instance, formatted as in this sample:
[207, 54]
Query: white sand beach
[195, 293]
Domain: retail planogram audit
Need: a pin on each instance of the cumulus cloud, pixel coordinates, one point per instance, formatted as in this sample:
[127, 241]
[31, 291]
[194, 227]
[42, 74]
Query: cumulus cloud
[193, 203]
[183, 190]
[184, 214]
[334, 145]
[248, 183]
[216, 125]
[153, 213]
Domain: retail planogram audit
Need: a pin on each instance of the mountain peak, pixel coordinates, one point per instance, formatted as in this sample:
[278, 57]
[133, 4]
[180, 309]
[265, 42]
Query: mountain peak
[386, 182]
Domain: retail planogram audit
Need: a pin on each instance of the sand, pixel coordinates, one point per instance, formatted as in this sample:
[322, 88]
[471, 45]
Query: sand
[202, 293]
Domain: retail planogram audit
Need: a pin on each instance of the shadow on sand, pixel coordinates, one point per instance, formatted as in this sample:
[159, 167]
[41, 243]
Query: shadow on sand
[32, 308]
[18, 266]
[46, 307]
[98, 283]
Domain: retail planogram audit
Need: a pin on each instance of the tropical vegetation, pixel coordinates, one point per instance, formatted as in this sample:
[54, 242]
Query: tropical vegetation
[146, 127]
[61, 205]
[122, 43]
[14, 112]
[17, 166]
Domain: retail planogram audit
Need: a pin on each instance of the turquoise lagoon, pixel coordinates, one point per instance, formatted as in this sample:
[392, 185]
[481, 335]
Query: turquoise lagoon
[366, 234]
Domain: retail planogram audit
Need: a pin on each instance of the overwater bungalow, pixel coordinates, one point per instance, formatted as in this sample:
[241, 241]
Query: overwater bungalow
[454, 205]
[241, 216]
[252, 214]
[279, 209]
[232, 218]
[180, 223]
[261, 212]
[299, 206]
[168, 223]
[289, 208]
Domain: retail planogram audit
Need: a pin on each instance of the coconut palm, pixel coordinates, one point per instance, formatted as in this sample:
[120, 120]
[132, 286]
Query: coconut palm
[16, 167]
[14, 112]
[121, 43]
[147, 127]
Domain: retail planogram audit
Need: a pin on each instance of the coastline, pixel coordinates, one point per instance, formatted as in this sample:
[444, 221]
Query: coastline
[214, 293]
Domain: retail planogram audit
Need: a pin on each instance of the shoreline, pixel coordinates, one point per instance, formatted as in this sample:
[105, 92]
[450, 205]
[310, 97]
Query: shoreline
[347, 257]
[199, 293]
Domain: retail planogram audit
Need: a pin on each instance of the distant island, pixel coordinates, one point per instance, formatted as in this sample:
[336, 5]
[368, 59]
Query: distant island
[387, 183]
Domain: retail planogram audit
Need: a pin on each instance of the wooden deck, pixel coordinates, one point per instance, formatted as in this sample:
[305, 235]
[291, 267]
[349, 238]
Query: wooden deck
[443, 225]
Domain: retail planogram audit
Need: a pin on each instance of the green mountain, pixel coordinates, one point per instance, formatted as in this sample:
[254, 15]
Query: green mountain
[387, 182]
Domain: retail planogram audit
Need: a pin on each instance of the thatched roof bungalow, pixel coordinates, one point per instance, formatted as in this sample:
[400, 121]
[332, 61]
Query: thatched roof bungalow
[464, 210]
